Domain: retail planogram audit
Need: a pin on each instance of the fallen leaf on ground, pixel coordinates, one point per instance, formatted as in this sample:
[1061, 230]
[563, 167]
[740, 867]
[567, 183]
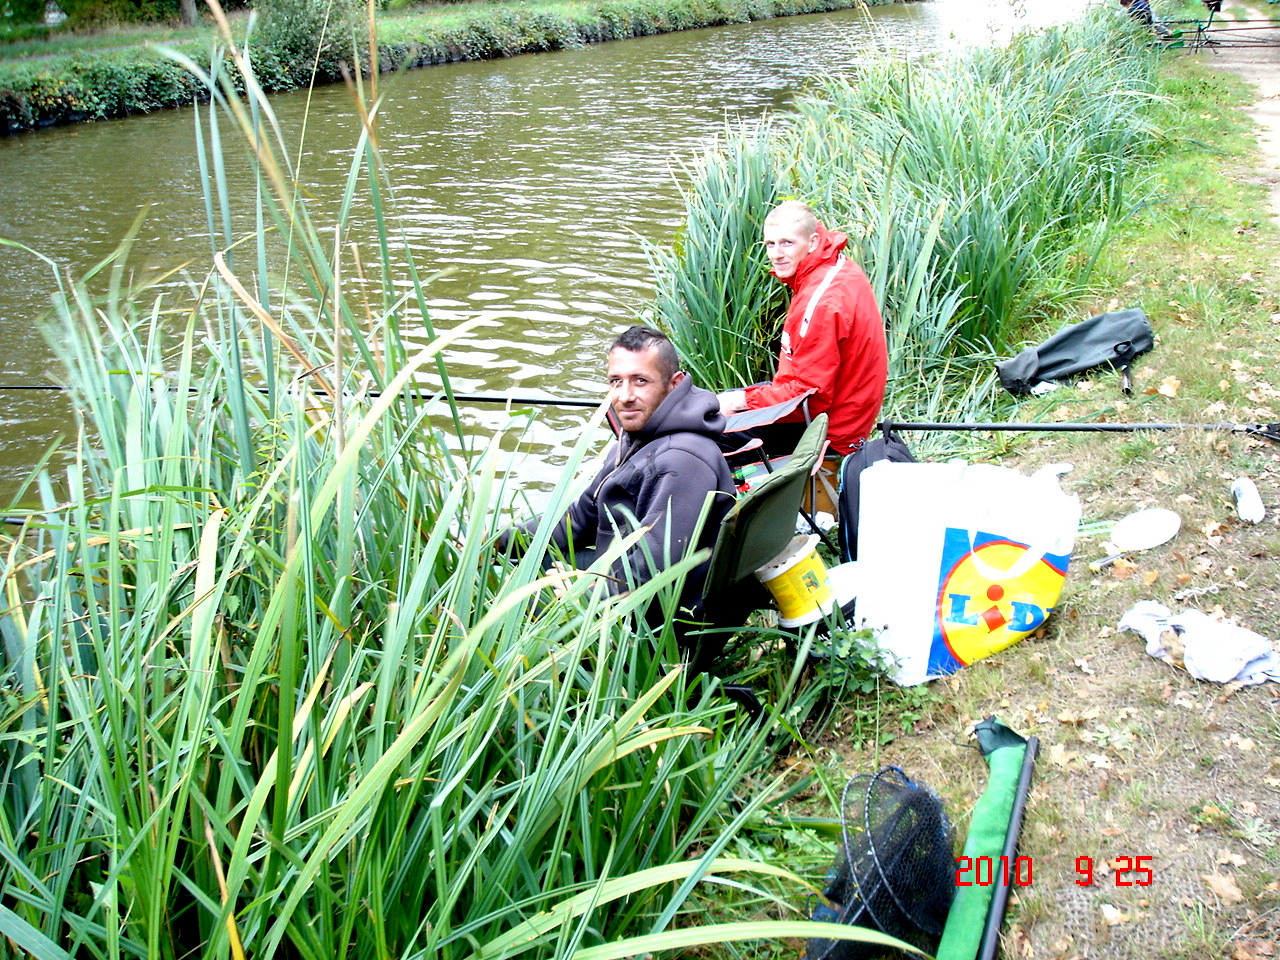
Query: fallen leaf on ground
[1224, 886]
[1169, 387]
[1112, 915]
[1082, 716]
[1059, 755]
[1122, 569]
[1253, 950]
[1226, 856]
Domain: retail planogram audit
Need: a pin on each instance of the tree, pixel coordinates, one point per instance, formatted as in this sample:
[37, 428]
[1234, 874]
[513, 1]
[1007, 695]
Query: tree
[304, 34]
[21, 11]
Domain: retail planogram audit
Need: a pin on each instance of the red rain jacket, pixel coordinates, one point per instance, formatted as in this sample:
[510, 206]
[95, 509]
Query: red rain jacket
[833, 340]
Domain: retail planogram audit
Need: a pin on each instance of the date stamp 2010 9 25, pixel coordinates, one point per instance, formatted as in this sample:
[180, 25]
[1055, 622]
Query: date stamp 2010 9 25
[1133, 871]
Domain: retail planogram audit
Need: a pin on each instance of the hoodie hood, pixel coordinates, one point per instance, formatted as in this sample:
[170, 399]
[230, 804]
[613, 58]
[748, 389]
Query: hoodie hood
[830, 243]
[686, 409]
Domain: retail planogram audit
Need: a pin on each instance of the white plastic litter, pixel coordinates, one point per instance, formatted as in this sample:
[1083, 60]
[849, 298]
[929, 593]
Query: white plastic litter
[824, 521]
[1214, 650]
[1248, 501]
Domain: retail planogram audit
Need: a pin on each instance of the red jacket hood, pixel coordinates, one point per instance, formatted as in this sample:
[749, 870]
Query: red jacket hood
[830, 243]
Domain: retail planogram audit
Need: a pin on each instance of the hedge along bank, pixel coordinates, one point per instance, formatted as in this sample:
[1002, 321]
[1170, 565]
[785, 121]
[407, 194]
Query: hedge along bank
[100, 86]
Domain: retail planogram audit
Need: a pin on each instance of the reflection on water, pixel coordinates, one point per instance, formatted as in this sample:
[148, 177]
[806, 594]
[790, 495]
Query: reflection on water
[528, 184]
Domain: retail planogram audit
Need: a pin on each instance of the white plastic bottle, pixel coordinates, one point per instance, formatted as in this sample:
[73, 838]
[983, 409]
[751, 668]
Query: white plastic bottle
[1248, 502]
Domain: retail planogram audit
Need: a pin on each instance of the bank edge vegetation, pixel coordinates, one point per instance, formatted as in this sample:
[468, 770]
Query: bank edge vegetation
[266, 685]
[973, 194]
[303, 41]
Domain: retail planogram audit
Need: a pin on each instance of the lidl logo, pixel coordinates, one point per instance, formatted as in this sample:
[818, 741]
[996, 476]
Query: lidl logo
[992, 592]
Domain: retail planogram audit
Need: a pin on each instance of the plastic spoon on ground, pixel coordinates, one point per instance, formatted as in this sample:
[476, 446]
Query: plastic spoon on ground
[1140, 531]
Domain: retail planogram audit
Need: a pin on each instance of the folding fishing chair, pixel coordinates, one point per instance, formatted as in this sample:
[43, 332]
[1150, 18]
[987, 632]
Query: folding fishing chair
[757, 458]
[756, 530]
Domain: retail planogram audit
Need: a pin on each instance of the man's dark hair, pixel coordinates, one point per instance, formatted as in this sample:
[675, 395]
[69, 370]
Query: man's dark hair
[639, 338]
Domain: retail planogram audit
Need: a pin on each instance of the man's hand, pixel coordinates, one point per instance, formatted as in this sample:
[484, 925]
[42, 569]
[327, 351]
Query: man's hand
[732, 401]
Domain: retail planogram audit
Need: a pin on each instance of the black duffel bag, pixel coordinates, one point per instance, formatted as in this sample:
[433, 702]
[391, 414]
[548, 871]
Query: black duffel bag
[1109, 339]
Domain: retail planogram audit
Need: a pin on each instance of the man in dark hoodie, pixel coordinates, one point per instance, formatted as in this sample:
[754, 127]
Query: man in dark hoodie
[659, 473]
[833, 339]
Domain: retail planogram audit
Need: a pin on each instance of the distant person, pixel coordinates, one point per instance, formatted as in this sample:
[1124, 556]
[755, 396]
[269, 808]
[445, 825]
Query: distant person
[1140, 10]
[833, 339]
[659, 473]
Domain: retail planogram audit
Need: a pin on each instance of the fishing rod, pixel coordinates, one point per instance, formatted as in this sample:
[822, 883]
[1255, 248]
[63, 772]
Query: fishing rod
[1268, 431]
[499, 398]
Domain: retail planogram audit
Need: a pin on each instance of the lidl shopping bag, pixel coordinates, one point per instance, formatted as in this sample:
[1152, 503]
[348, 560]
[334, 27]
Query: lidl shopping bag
[957, 561]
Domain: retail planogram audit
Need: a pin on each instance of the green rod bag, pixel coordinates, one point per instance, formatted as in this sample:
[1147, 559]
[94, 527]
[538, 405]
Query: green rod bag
[1004, 751]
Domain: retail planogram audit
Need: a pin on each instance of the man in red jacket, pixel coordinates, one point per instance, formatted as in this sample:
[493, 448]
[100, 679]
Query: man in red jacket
[833, 340]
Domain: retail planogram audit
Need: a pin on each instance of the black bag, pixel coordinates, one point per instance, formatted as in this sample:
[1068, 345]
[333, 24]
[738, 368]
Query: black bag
[1109, 339]
[888, 447]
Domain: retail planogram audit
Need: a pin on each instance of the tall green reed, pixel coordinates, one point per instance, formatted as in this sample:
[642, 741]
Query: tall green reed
[269, 688]
[977, 191]
[713, 292]
[1028, 147]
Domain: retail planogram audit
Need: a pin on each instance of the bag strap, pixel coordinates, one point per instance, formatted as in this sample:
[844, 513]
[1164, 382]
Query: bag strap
[1028, 559]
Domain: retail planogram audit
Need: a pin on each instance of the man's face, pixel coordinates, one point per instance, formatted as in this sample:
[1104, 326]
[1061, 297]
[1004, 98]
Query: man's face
[786, 243]
[636, 385]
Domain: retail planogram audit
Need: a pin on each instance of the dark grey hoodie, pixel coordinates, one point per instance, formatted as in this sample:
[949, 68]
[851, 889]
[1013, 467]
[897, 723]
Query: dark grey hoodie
[658, 477]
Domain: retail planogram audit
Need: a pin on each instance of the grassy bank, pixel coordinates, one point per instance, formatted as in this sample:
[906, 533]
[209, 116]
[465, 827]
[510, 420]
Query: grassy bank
[1137, 757]
[92, 84]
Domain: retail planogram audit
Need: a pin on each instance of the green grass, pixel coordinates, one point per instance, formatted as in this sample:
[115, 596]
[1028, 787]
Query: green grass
[66, 42]
[714, 294]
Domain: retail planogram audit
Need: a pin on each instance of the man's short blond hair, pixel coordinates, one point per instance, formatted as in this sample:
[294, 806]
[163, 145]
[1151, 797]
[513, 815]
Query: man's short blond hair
[793, 211]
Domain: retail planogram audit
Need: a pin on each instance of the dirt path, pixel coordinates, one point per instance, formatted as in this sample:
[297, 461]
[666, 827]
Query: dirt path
[1254, 54]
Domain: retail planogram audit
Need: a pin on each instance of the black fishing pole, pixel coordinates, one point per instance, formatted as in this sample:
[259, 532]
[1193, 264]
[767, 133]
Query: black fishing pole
[499, 398]
[1268, 431]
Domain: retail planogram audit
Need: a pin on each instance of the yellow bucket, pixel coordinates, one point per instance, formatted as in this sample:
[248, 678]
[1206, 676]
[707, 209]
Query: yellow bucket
[797, 578]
